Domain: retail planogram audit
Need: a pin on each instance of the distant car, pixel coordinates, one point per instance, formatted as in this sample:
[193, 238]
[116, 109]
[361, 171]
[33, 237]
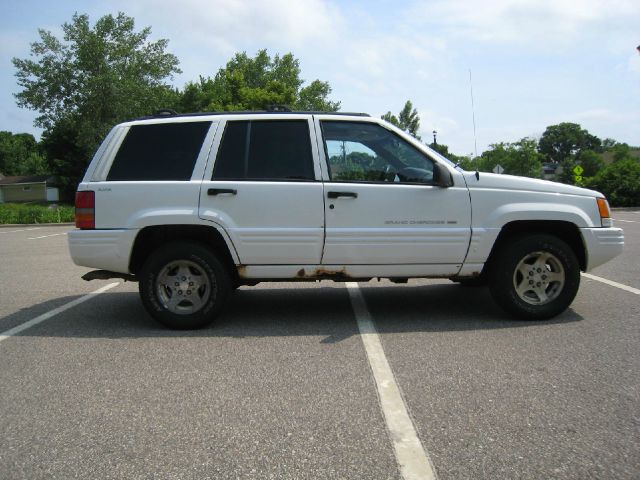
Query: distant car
[195, 205]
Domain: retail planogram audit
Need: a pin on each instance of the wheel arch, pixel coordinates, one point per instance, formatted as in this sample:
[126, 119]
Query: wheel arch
[566, 231]
[150, 238]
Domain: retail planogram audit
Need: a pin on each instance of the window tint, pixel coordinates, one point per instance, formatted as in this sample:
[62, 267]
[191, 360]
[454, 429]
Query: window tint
[265, 150]
[166, 151]
[366, 152]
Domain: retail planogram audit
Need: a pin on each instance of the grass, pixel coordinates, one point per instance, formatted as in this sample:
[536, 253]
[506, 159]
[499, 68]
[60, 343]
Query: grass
[28, 213]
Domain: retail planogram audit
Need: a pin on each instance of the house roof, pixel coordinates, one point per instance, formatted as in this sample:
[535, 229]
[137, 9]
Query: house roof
[22, 179]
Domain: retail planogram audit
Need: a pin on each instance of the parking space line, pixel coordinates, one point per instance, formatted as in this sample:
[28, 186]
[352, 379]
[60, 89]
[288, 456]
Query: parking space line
[626, 221]
[612, 283]
[45, 236]
[411, 456]
[45, 316]
[21, 230]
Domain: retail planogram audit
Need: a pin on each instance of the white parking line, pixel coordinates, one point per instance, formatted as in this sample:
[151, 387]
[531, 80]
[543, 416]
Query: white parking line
[46, 236]
[612, 283]
[411, 456]
[55, 311]
[21, 230]
[626, 221]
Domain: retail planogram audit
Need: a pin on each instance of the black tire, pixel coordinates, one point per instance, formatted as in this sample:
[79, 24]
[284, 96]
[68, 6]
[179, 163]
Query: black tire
[534, 277]
[183, 285]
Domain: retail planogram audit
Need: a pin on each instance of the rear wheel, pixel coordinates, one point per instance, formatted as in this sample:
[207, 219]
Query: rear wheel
[183, 285]
[535, 277]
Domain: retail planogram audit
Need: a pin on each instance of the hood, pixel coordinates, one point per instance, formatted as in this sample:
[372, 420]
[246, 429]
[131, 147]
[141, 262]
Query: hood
[511, 182]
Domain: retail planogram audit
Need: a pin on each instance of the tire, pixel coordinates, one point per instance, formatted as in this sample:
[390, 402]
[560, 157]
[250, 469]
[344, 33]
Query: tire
[183, 285]
[534, 277]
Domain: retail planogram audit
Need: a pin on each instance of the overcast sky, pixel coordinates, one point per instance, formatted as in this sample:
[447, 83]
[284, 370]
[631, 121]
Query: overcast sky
[534, 63]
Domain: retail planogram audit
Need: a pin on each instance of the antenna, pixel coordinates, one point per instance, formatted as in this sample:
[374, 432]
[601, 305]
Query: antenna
[473, 116]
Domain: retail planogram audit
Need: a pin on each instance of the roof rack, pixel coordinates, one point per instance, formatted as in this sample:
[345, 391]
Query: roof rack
[165, 113]
[278, 108]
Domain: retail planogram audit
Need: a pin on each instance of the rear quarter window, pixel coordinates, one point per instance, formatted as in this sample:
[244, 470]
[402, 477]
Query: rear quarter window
[165, 151]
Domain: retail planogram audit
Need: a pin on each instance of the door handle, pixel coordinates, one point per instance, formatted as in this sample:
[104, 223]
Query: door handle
[218, 191]
[342, 194]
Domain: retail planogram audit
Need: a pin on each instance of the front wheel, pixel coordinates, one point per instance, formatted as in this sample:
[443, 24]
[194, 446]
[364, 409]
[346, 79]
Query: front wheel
[183, 285]
[535, 277]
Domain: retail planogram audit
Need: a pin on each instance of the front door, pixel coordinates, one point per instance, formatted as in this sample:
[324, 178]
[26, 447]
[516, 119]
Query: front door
[382, 206]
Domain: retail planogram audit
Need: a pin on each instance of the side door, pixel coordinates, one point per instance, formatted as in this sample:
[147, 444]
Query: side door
[264, 189]
[383, 206]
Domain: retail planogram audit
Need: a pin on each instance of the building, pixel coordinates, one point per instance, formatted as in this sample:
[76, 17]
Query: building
[551, 171]
[28, 188]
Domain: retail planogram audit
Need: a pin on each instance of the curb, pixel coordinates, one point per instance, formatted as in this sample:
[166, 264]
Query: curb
[14, 225]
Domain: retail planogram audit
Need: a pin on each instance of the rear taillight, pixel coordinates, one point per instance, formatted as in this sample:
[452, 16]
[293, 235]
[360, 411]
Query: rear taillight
[86, 209]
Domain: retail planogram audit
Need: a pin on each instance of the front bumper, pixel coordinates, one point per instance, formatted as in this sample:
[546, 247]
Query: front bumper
[602, 244]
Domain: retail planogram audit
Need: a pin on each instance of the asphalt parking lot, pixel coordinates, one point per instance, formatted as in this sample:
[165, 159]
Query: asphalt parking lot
[284, 387]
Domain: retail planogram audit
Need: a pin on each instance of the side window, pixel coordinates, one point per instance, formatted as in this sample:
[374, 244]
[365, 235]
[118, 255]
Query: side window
[163, 151]
[265, 150]
[366, 152]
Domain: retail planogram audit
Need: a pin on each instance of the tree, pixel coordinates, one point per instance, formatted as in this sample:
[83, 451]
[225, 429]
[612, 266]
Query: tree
[90, 80]
[407, 120]
[465, 162]
[621, 151]
[255, 84]
[564, 140]
[620, 182]
[563, 144]
[591, 162]
[518, 158]
[20, 155]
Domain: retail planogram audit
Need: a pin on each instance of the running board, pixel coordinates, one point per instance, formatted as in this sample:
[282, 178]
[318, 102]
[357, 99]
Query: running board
[106, 275]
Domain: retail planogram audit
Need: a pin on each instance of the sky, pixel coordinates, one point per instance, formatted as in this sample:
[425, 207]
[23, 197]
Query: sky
[531, 63]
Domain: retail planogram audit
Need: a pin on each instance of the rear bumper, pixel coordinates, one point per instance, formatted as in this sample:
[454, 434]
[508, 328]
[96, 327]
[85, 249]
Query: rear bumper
[602, 244]
[103, 249]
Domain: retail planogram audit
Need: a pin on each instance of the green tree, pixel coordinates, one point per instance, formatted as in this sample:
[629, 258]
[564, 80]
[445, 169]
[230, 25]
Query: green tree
[255, 84]
[559, 142]
[563, 144]
[518, 158]
[591, 162]
[20, 155]
[621, 151]
[407, 120]
[620, 182]
[465, 161]
[92, 78]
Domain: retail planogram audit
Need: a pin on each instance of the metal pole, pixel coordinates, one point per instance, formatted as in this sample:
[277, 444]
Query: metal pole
[473, 116]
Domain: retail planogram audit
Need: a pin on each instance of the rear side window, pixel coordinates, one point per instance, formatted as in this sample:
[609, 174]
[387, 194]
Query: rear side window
[265, 150]
[166, 151]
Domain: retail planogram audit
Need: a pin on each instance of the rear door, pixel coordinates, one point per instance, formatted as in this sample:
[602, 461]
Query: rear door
[264, 189]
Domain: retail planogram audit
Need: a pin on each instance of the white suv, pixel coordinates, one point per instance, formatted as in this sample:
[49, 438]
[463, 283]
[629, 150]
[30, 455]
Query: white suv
[193, 206]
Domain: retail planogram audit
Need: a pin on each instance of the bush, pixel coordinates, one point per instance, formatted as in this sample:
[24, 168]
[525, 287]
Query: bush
[25, 213]
[620, 182]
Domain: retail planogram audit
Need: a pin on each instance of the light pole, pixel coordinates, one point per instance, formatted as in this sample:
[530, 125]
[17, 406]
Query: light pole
[434, 137]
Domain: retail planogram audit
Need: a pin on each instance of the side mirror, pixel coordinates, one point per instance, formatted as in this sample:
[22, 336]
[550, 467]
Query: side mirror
[442, 176]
